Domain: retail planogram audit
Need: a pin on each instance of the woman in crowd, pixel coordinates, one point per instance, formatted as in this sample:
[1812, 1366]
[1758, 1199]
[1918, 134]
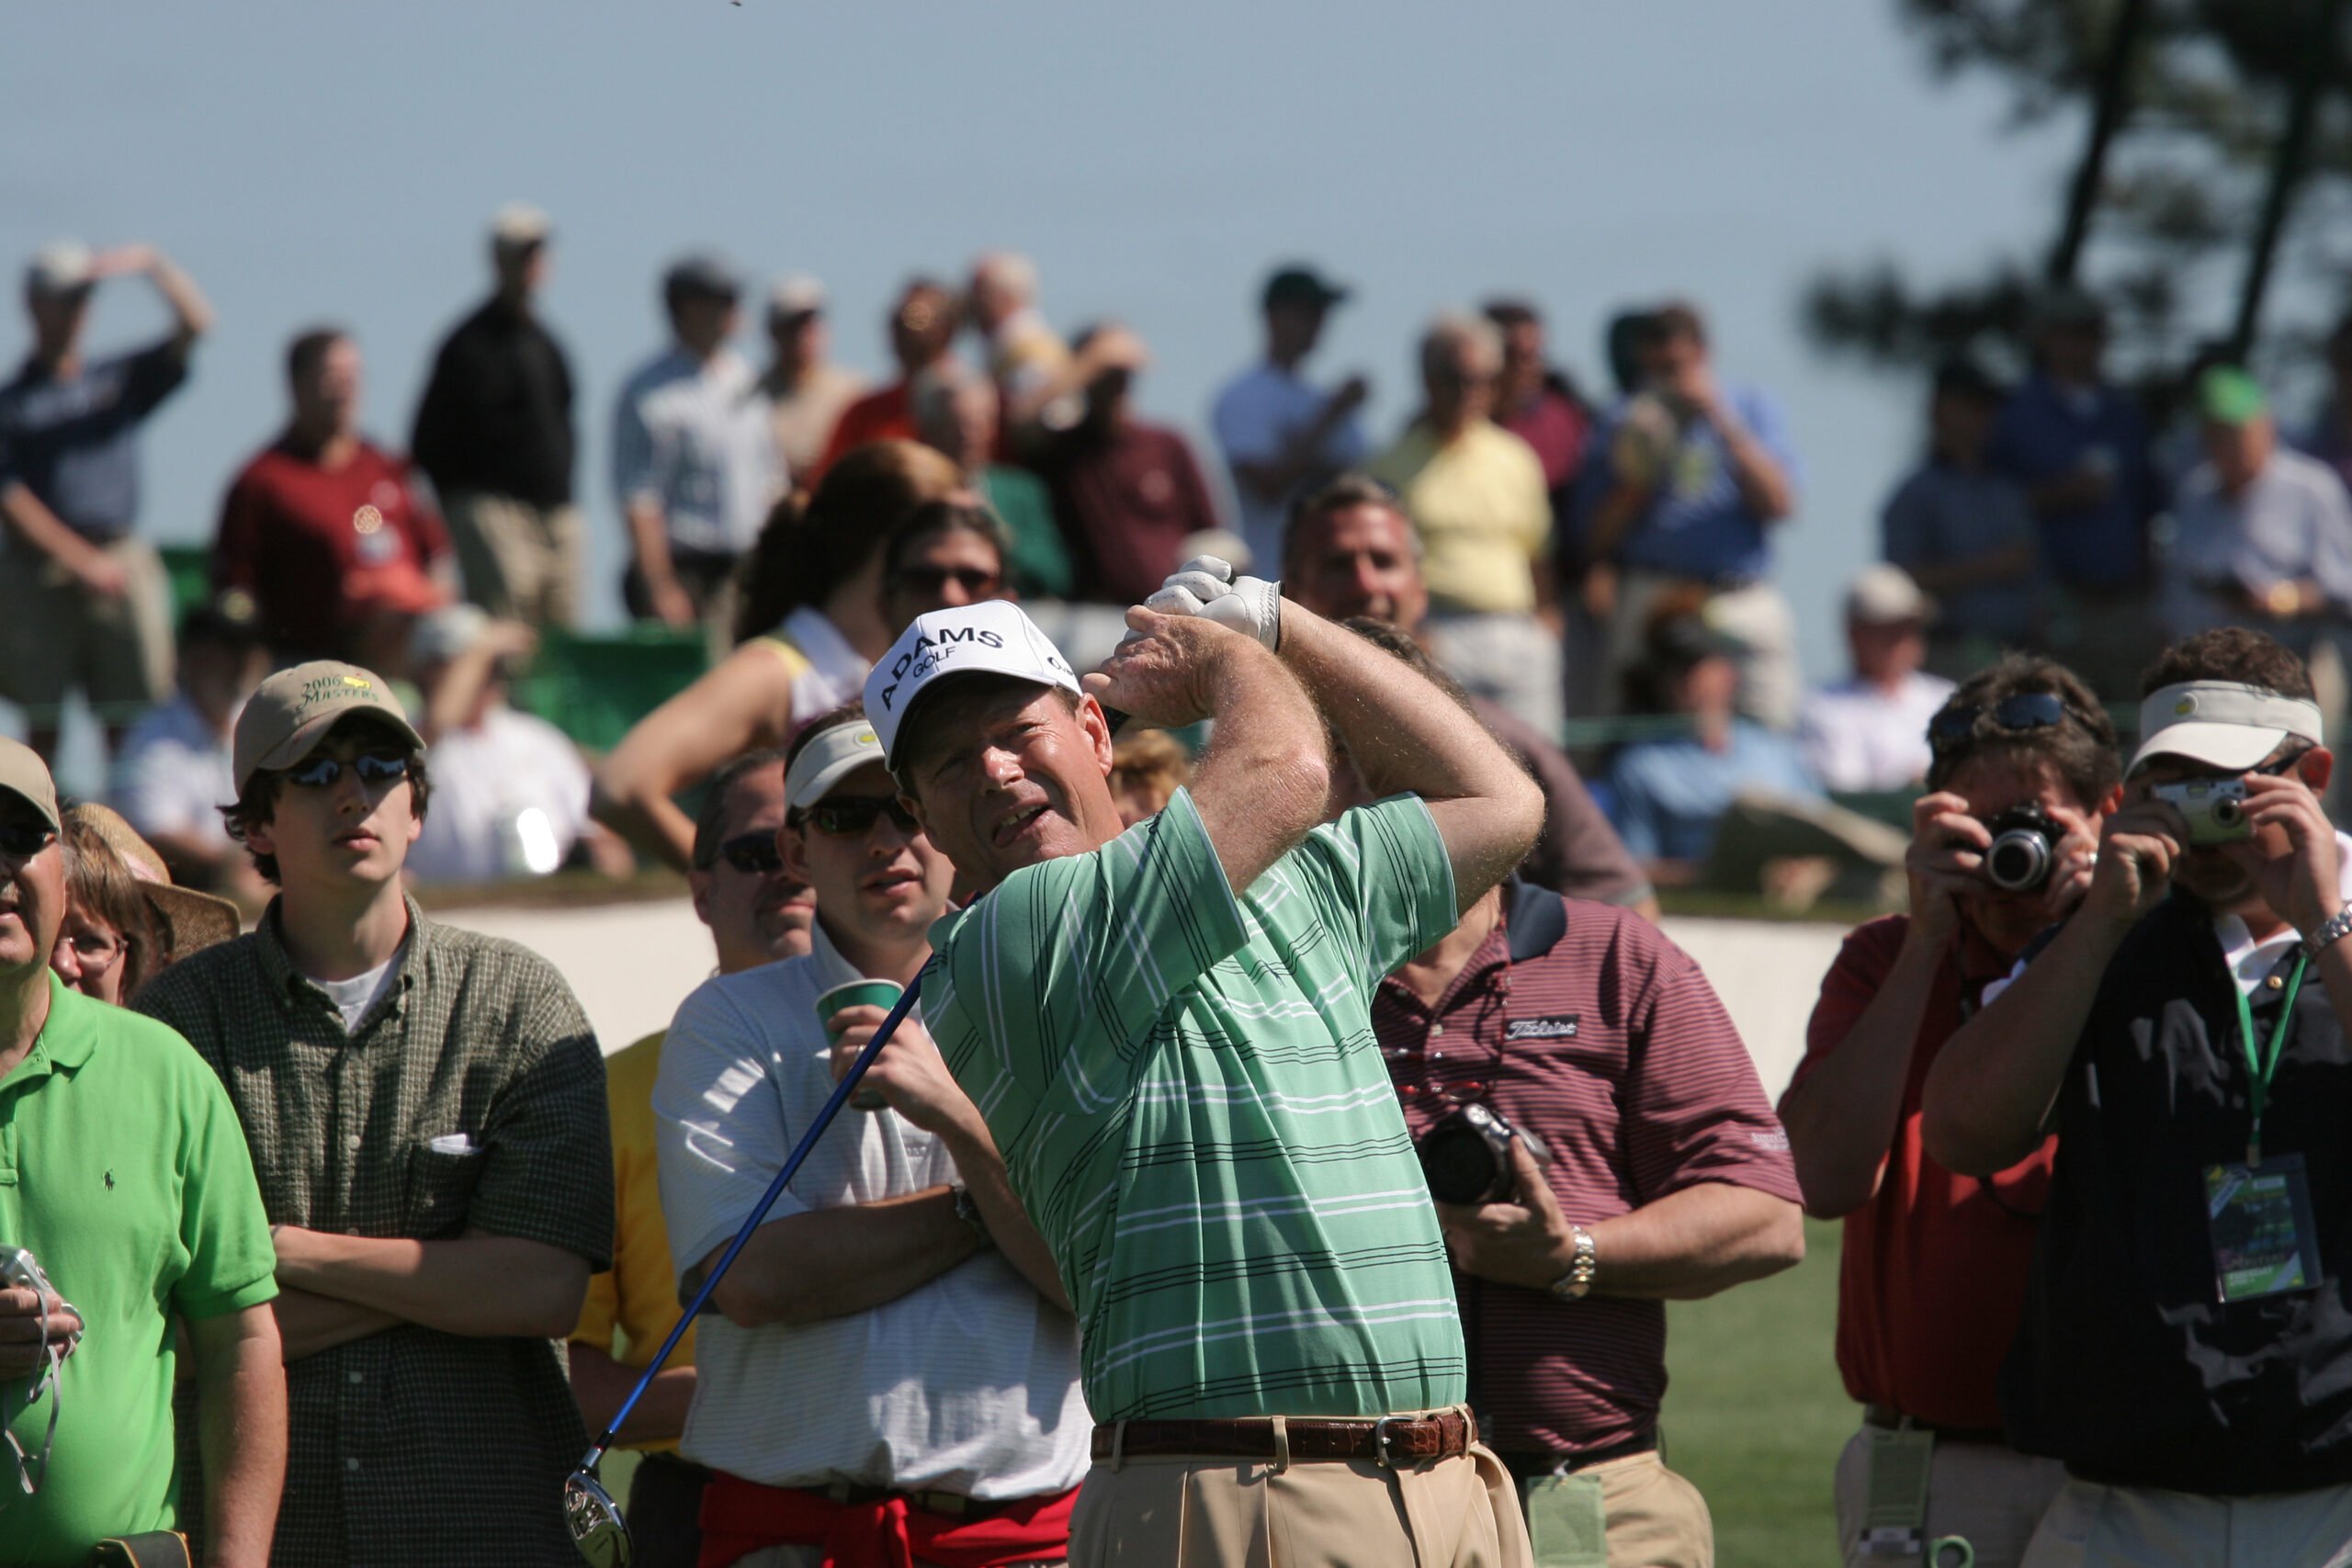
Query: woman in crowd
[124, 920]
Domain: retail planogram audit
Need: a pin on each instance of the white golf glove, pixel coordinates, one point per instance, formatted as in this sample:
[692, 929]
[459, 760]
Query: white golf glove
[1205, 586]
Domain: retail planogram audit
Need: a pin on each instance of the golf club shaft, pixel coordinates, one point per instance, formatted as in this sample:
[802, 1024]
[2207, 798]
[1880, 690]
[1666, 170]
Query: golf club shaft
[842, 1091]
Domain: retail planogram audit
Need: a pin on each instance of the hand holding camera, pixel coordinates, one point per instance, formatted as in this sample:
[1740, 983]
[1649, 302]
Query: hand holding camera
[1517, 1238]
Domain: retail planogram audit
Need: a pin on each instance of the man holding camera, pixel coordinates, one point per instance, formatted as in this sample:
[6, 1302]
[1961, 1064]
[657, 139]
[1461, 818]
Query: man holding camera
[2185, 1347]
[1933, 1272]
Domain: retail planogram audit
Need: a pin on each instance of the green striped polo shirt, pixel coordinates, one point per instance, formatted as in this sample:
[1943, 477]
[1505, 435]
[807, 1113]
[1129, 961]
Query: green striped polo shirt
[1192, 1105]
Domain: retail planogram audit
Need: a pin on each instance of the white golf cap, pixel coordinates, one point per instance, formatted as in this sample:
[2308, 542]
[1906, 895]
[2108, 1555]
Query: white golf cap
[830, 756]
[796, 294]
[518, 225]
[994, 638]
[60, 269]
[2220, 724]
[1883, 595]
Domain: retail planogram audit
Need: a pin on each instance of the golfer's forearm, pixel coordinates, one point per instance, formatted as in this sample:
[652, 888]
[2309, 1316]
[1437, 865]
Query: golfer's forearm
[829, 1262]
[1694, 1243]
[599, 1384]
[1267, 774]
[480, 1284]
[242, 1402]
[1842, 1119]
[1989, 1094]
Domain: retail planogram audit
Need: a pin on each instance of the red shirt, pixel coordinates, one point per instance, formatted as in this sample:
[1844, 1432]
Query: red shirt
[322, 550]
[1622, 1059]
[1552, 423]
[1933, 1277]
[886, 415]
[1127, 498]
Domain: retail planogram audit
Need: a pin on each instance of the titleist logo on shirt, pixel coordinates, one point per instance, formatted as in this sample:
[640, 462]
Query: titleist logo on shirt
[1559, 1026]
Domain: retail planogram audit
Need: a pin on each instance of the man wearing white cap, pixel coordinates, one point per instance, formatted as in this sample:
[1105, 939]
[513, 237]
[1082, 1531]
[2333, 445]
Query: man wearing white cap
[1869, 730]
[83, 604]
[806, 391]
[1168, 1028]
[892, 1351]
[2185, 1347]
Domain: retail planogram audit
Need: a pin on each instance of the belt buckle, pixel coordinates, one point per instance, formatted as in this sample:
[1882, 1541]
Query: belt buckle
[1379, 1441]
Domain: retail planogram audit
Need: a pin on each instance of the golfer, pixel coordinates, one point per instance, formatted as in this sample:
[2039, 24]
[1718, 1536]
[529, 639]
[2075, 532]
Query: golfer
[1168, 1032]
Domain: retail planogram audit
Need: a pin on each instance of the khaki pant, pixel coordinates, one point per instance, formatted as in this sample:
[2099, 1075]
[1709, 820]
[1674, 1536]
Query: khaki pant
[2145, 1527]
[57, 636]
[519, 560]
[1179, 1512]
[1988, 1494]
[1647, 1516]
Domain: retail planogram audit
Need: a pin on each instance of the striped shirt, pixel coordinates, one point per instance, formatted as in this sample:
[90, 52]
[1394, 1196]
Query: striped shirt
[1192, 1106]
[1585, 1025]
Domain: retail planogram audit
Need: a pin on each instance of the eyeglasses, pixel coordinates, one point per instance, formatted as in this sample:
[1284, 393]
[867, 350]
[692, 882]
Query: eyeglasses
[22, 841]
[975, 581]
[847, 816]
[2017, 712]
[94, 949]
[754, 855]
[372, 768]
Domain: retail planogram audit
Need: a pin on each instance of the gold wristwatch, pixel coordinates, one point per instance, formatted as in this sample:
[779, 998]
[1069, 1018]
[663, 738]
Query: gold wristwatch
[1572, 1285]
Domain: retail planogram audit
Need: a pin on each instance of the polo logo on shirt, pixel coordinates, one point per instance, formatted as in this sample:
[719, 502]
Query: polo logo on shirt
[1558, 1026]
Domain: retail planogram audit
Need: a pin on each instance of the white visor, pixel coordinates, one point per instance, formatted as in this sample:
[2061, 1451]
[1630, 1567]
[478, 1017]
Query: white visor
[993, 637]
[2220, 724]
[831, 756]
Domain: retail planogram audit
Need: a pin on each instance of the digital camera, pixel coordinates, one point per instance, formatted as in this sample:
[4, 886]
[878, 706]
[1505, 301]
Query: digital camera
[2215, 808]
[1467, 1157]
[2024, 850]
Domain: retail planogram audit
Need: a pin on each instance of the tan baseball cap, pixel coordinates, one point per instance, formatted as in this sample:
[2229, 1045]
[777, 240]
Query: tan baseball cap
[292, 711]
[22, 773]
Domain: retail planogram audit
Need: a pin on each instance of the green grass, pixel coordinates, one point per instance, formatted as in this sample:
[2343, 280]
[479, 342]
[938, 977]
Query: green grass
[1756, 1415]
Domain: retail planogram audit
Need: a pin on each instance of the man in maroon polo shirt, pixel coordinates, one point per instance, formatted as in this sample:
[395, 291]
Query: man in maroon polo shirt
[1933, 1277]
[1668, 1179]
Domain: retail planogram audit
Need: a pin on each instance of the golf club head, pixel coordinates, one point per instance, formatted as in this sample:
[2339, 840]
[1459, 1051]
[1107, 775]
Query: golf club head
[594, 1519]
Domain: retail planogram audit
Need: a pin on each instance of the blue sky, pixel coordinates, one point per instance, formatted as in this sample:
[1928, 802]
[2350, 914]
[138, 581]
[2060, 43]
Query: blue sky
[340, 162]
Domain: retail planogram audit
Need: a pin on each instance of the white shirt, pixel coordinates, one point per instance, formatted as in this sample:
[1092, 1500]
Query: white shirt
[510, 798]
[2293, 521]
[833, 671]
[174, 775]
[353, 997]
[1254, 419]
[1858, 738]
[695, 437]
[967, 1383]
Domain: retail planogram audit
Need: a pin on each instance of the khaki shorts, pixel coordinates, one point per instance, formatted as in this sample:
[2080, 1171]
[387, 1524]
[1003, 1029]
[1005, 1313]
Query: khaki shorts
[57, 636]
[519, 560]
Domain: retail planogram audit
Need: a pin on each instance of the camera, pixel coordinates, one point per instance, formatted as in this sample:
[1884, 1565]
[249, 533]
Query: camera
[1467, 1157]
[2024, 849]
[2215, 808]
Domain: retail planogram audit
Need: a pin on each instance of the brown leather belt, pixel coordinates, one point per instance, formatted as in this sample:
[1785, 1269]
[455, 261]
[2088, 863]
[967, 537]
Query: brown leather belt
[1389, 1440]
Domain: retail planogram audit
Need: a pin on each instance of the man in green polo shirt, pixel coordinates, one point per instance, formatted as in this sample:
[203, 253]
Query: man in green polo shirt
[1168, 1030]
[123, 1172]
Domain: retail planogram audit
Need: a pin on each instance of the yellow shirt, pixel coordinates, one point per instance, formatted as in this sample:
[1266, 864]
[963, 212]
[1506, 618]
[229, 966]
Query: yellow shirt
[1480, 504]
[639, 1296]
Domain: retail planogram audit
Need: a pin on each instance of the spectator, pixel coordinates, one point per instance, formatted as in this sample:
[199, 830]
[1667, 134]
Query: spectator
[1535, 400]
[923, 334]
[512, 788]
[2180, 1344]
[1475, 492]
[172, 771]
[1695, 475]
[1147, 767]
[1167, 1038]
[758, 913]
[2329, 436]
[436, 1212]
[695, 463]
[323, 531]
[1670, 794]
[956, 413]
[83, 606]
[1354, 553]
[806, 391]
[1869, 732]
[2080, 449]
[1667, 1176]
[2265, 533]
[1032, 370]
[100, 1100]
[1127, 494]
[1964, 531]
[124, 920]
[810, 625]
[494, 433]
[1933, 1271]
[1281, 436]
[898, 1287]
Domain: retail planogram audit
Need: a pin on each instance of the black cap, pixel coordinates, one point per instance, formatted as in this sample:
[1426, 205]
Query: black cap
[702, 273]
[1302, 286]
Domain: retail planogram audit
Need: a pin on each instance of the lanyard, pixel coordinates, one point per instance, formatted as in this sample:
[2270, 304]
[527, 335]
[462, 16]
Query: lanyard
[2261, 1070]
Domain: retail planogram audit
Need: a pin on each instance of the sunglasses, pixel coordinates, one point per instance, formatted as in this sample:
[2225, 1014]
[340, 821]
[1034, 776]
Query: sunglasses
[2016, 713]
[754, 855]
[846, 817]
[372, 768]
[975, 581]
[22, 841]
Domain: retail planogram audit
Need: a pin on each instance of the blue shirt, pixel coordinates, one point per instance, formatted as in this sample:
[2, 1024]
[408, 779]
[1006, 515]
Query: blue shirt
[1941, 515]
[1697, 523]
[74, 443]
[1668, 793]
[2045, 433]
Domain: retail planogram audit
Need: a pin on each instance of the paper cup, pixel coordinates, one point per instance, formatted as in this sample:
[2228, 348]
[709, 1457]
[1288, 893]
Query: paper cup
[856, 994]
